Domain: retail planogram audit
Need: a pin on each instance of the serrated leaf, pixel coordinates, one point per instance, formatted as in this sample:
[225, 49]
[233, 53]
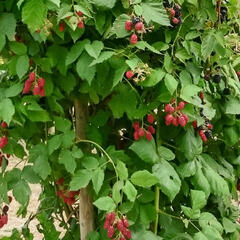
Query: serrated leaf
[105, 204]
[97, 180]
[80, 179]
[228, 225]
[166, 153]
[154, 78]
[94, 49]
[208, 43]
[146, 150]
[83, 64]
[21, 192]
[191, 213]
[22, 65]
[168, 179]
[170, 83]
[130, 191]
[7, 25]
[144, 179]
[29, 175]
[116, 191]
[90, 162]
[122, 170]
[7, 110]
[67, 160]
[34, 13]
[18, 48]
[104, 4]
[232, 106]
[198, 199]
[103, 57]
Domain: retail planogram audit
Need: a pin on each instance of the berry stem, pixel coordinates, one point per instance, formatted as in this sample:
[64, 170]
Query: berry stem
[157, 199]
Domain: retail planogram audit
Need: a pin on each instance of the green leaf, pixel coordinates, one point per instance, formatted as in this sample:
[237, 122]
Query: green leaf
[97, 180]
[147, 214]
[189, 144]
[34, 13]
[18, 48]
[105, 204]
[7, 25]
[22, 65]
[29, 175]
[83, 64]
[122, 170]
[130, 191]
[90, 162]
[232, 106]
[198, 199]
[14, 90]
[119, 26]
[77, 152]
[208, 43]
[67, 160]
[62, 124]
[182, 55]
[144, 45]
[199, 236]
[116, 194]
[94, 49]
[189, 91]
[209, 220]
[146, 150]
[143, 179]
[168, 179]
[228, 225]
[170, 83]
[41, 166]
[191, 213]
[7, 110]
[103, 57]
[54, 143]
[76, 51]
[156, 13]
[166, 153]
[187, 169]
[104, 4]
[80, 179]
[56, 2]
[154, 78]
[21, 192]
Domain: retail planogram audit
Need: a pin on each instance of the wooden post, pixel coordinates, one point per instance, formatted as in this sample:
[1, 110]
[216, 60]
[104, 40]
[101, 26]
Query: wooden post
[86, 215]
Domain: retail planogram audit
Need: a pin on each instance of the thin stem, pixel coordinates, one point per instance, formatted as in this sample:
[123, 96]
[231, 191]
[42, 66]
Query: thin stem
[157, 198]
[100, 148]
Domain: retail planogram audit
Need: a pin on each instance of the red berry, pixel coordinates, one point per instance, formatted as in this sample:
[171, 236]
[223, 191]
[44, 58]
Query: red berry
[201, 95]
[60, 193]
[9, 199]
[175, 122]
[175, 21]
[60, 181]
[172, 12]
[31, 62]
[129, 74]
[4, 219]
[128, 25]
[109, 216]
[168, 119]
[238, 73]
[3, 142]
[129, 234]
[110, 232]
[8, 155]
[41, 82]
[36, 90]
[106, 225]
[141, 132]
[125, 222]
[120, 225]
[136, 125]
[139, 26]
[136, 136]
[27, 87]
[194, 124]
[181, 121]
[134, 39]
[79, 13]
[148, 136]
[38, 31]
[81, 24]
[3, 124]
[169, 108]
[61, 26]
[150, 118]
[210, 126]
[203, 136]
[181, 105]
[122, 238]
[186, 117]
[42, 92]
[113, 216]
[151, 129]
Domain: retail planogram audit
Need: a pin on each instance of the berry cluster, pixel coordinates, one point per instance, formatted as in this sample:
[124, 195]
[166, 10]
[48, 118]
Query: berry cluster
[136, 26]
[78, 16]
[38, 85]
[117, 227]
[175, 115]
[67, 196]
[4, 215]
[174, 12]
[139, 74]
[140, 132]
[3, 139]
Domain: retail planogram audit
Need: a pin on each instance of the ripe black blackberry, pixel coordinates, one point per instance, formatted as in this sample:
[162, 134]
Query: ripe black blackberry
[226, 91]
[135, 20]
[208, 133]
[166, 4]
[217, 78]
[223, 14]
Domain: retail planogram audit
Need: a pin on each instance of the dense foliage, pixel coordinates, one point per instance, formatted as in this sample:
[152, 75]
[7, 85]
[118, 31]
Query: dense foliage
[161, 82]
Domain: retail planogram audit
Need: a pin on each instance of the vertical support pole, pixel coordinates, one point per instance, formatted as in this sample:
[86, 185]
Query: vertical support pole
[86, 215]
